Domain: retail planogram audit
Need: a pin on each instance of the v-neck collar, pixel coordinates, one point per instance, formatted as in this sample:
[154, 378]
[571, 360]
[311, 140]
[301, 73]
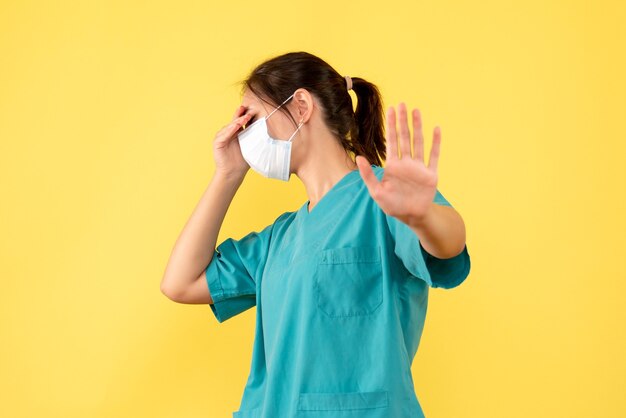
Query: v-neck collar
[344, 181]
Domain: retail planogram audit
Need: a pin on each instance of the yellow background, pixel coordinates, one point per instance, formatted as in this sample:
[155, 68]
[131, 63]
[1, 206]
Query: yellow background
[107, 115]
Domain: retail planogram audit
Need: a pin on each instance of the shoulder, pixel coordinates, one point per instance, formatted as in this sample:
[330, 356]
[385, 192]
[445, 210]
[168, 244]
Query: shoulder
[285, 218]
[282, 222]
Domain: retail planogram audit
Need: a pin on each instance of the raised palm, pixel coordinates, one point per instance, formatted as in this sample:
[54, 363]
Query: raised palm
[407, 188]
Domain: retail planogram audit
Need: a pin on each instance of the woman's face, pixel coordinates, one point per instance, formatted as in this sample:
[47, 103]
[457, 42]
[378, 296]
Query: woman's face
[279, 125]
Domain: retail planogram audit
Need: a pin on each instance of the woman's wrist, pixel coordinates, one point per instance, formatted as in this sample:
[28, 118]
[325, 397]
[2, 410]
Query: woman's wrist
[229, 177]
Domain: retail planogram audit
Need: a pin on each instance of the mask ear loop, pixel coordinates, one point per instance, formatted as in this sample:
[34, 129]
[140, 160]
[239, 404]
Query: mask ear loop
[299, 125]
[280, 105]
[294, 134]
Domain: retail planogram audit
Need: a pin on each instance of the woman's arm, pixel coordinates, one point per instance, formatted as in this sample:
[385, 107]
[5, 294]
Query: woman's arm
[441, 231]
[183, 280]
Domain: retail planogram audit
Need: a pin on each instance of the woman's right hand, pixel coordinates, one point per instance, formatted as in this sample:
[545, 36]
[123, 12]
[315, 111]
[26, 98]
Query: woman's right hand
[226, 150]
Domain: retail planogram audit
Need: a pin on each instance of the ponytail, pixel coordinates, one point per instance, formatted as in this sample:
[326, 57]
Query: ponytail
[368, 135]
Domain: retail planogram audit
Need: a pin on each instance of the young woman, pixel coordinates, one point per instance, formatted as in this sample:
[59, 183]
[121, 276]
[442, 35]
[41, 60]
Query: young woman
[341, 284]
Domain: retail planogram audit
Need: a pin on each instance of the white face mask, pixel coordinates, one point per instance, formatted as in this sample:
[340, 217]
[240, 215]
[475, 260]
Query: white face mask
[267, 156]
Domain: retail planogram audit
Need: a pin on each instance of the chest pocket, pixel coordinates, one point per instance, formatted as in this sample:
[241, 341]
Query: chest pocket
[349, 282]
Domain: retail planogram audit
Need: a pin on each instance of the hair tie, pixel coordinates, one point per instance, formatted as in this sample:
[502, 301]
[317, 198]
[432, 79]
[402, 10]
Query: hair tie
[348, 82]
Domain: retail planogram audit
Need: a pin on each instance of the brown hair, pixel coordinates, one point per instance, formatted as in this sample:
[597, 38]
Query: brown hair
[360, 132]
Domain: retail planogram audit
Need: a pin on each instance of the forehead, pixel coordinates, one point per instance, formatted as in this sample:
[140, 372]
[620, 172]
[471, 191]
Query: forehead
[249, 99]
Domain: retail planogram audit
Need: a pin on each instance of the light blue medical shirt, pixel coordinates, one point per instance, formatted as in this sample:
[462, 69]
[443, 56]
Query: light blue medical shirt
[341, 295]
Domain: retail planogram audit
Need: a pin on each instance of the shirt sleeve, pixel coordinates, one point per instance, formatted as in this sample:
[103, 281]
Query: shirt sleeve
[233, 272]
[437, 272]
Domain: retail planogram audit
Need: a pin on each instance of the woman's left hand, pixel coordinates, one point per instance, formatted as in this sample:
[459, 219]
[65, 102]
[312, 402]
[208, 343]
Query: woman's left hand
[407, 188]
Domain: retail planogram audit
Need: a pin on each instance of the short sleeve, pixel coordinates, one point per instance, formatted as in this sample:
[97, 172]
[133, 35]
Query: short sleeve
[437, 272]
[233, 272]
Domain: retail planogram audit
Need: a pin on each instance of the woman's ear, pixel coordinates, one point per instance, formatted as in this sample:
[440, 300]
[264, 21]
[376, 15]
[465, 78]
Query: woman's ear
[304, 102]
